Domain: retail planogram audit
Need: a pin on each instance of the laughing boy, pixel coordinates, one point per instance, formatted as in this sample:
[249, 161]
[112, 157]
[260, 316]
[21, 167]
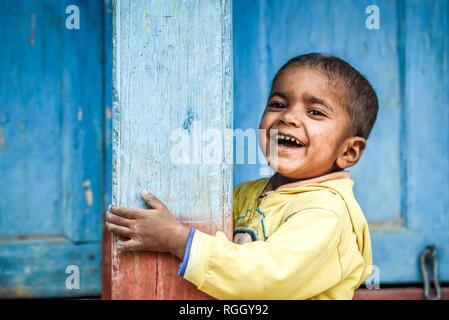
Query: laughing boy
[300, 234]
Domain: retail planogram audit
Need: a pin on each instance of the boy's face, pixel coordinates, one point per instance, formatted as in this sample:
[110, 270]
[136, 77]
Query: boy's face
[304, 106]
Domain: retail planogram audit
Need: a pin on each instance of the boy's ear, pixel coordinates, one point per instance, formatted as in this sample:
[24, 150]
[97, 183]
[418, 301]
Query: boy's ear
[352, 150]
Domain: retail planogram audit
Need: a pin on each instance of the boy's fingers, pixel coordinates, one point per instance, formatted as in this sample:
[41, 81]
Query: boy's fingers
[112, 218]
[152, 201]
[118, 230]
[127, 245]
[128, 213]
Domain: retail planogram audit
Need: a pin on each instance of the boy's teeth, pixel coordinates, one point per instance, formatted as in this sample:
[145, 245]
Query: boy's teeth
[287, 138]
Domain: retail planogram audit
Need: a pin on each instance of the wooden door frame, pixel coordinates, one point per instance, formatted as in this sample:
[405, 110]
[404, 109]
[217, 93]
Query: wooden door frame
[147, 275]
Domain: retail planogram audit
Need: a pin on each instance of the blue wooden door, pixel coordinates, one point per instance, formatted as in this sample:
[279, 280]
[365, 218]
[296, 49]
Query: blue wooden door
[51, 148]
[402, 179]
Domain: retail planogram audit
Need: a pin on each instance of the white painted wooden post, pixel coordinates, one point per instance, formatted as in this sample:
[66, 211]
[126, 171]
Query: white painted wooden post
[172, 75]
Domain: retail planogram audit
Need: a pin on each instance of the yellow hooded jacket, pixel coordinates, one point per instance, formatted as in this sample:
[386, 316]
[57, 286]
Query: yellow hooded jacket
[304, 240]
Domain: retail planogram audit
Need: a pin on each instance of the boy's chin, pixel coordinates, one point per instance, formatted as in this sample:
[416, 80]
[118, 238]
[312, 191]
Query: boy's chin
[286, 170]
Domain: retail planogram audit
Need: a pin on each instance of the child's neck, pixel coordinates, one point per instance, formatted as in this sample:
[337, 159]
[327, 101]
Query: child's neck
[278, 179]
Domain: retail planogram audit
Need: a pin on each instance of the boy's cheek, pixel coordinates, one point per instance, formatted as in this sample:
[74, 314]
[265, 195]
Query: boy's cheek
[266, 121]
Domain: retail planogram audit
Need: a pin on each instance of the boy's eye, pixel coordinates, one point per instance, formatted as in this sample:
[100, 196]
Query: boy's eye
[276, 105]
[315, 112]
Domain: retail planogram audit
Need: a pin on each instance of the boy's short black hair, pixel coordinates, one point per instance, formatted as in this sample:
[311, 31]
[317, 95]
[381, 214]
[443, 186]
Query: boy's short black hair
[359, 98]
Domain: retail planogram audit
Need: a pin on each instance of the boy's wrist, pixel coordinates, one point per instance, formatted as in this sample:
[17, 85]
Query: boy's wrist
[179, 241]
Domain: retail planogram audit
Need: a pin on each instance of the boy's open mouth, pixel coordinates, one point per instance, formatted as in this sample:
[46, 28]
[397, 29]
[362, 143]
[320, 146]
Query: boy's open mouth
[287, 141]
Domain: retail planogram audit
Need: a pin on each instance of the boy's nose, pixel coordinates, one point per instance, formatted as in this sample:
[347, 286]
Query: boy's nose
[290, 118]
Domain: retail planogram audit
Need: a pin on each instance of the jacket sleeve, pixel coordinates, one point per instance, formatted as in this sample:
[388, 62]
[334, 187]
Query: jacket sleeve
[298, 261]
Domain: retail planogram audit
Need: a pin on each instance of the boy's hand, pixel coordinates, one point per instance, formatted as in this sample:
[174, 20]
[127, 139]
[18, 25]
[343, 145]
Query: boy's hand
[155, 229]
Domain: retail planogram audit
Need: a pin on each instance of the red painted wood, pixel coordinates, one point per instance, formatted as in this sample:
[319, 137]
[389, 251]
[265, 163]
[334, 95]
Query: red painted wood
[134, 274]
[146, 275]
[170, 285]
[106, 265]
[396, 294]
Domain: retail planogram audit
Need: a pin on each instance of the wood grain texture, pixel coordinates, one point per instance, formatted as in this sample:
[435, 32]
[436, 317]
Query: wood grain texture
[171, 67]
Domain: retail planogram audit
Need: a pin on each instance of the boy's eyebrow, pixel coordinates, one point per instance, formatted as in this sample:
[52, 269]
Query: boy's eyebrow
[280, 94]
[314, 99]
